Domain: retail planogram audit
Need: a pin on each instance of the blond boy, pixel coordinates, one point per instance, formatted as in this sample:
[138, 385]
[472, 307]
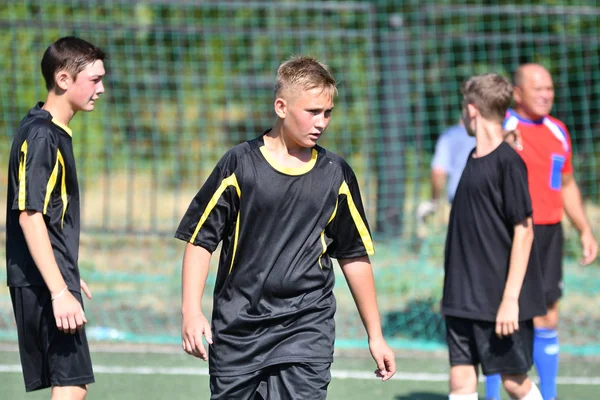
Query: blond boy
[283, 208]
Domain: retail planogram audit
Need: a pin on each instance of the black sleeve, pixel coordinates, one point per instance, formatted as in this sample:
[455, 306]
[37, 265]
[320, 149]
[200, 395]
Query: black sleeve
[349, 230]
[37, 160]
[516, 199]
[213, 211]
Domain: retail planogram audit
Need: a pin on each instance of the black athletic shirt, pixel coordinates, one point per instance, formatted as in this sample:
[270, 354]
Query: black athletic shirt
[492, 197]
[273, 300]
[42, 177]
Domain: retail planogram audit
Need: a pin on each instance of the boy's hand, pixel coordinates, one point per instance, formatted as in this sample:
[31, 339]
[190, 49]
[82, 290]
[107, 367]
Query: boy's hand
[85, 288]
[507, 319]
[192, 328]
[68, 313]
[384, 358]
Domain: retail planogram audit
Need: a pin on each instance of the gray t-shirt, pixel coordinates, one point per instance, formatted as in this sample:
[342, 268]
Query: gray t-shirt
[451, 153]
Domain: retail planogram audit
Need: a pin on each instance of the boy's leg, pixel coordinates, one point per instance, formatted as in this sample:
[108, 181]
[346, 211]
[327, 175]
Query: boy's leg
[511, 356]
[493, 383]
[49, 357]
[69, 392]
[463, 381]
[520, 387]
[242, 387]
[463, 358]
[298, 381]
[546, 357]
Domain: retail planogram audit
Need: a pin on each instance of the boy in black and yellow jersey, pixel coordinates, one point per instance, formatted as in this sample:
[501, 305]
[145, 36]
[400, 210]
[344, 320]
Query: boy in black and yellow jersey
[42, 225]
[283, 208]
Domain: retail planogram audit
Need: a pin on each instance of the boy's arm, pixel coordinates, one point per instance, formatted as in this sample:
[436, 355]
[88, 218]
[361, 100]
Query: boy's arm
[507, 319]
[359, 275]
[68, 312]
[574, 210]
[196, 263]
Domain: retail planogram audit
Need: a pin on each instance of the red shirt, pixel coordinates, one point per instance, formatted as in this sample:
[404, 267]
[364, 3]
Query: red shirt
[547, 154]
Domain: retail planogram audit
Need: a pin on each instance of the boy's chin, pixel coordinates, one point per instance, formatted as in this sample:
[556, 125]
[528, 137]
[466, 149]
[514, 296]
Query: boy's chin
[88, 107]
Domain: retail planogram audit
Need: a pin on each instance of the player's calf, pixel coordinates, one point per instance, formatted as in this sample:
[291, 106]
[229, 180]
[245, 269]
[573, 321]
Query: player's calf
[520, 387]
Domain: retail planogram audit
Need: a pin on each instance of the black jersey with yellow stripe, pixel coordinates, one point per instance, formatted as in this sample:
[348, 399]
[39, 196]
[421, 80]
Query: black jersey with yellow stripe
[279, 227]
[42, 177]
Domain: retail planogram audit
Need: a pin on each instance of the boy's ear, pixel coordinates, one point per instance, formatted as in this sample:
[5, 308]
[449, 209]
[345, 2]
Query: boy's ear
[280, 106]
[62, 79]
[472, 110]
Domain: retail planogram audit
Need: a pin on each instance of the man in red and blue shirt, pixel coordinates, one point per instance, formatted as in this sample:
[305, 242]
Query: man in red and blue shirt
[546, 150]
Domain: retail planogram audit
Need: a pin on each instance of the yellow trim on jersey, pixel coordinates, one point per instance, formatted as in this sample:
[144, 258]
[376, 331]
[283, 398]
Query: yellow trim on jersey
[360, 224]
[63, 187]
[23, 177]
[288, 170]
[50, 185]
[235, 240]
[63, 127]
[323, 243]
[230, 181]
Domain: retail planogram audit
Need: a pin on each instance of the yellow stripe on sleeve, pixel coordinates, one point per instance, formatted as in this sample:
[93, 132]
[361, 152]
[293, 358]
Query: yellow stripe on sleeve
[63, 186]
[23, 177]
[230, 181]
[358, 221]
[50, 185]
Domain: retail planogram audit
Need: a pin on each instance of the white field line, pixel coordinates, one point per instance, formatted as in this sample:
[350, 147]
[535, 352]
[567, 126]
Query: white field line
[336, 374]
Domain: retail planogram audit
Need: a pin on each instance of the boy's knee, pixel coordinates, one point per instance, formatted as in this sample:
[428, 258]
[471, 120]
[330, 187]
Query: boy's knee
[550, 320]
[78, 392]
[463, 379]
[517, 386]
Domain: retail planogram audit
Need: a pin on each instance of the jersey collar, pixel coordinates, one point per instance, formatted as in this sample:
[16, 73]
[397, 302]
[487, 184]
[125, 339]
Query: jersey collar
[39, 112]
[63, 127]
[513, 113]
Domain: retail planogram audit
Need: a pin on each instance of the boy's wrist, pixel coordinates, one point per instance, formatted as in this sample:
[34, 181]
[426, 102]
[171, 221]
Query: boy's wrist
[56, 288]
[510, 297]
[193, 310]
[54, 296]
[374, 336]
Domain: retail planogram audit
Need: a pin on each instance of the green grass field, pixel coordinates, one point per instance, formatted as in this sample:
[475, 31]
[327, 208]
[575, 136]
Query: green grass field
[134, 373]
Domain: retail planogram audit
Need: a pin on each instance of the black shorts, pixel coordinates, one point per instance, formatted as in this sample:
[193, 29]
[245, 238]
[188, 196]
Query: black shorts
[549, 245]
[472, 342]
[49, 357]
[283, 381]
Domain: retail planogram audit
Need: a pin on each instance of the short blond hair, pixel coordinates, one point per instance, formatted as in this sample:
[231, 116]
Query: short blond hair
[490, 93]
[301, 73]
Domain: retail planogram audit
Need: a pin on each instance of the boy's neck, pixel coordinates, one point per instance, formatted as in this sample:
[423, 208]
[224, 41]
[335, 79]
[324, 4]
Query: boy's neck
[489, 136]
[60, 111]
[285, 150]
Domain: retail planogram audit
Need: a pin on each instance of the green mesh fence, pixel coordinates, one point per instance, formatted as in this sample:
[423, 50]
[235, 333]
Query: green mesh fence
[187, 80]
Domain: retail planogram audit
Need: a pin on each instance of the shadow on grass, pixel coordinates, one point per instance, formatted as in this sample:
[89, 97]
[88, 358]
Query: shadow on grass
[421, 396]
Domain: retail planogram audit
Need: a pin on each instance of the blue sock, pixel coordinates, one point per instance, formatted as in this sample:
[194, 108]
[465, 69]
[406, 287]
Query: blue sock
[492, 387]
[545, 356]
